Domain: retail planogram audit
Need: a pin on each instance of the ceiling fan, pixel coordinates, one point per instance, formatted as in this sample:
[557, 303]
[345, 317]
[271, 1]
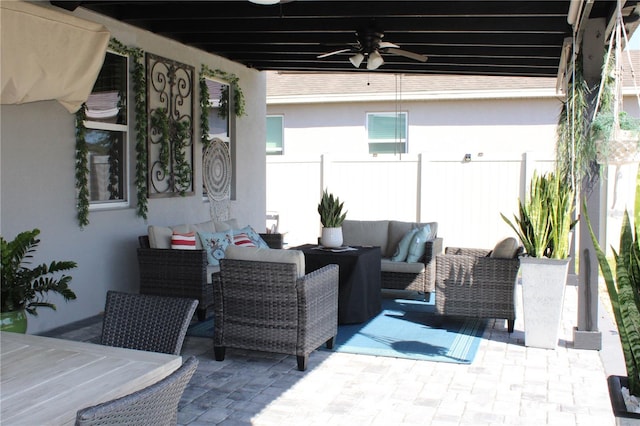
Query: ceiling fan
[369, 45]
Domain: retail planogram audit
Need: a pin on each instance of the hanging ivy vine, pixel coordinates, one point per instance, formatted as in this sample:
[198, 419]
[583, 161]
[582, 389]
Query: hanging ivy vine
[182, 166]
[160, 122]
[238, 99]
[82, 168]
[177, 145]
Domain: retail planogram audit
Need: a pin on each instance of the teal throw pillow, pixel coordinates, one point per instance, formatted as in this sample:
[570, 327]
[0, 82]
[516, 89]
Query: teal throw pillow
[215, 244]
[252, 235]
[417, 247]
[403, 247]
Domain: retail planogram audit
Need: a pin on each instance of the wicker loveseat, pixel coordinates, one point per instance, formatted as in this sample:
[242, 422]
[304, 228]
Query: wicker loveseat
[265, 302]
[387, 234]
[478, 283]
[182, 273]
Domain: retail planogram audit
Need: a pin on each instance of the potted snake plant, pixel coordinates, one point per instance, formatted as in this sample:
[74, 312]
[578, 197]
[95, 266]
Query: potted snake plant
[331, 217]
[544, 226]
[24, 288]
[623, 287]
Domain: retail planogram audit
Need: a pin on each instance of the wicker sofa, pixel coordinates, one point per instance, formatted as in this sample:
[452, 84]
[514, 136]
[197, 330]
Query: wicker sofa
[478, 283]
[387, 234]
[183, 273]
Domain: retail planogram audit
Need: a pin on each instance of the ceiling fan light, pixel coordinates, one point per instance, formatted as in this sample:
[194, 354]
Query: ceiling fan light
[356, 59]
[375, 60]
[265, 2]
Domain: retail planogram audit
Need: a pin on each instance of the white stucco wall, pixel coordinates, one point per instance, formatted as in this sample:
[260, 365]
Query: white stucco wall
[38, 186]
[467, 126]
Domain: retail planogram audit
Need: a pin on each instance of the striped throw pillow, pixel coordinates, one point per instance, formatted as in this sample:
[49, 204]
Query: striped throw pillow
[181, 241]
[242, 239]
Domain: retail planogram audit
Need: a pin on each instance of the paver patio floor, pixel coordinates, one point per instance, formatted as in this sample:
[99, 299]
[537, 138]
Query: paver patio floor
[507, 384]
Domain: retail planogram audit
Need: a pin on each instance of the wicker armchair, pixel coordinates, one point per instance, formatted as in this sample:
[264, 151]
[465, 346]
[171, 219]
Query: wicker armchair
[471, 284]
[148, 323]
[154, 405]
[181, 273]
[266, 306]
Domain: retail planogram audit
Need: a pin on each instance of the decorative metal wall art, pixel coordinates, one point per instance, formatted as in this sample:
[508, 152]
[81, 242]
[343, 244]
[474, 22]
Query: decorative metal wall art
[170, 126]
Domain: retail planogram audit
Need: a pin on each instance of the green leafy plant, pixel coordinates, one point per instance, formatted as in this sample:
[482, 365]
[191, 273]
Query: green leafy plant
[544, 220]
[623, 293]
[575, 151]
[330, 210]
[82, 168]
[603, 125]
[24, 287]
[603, 131]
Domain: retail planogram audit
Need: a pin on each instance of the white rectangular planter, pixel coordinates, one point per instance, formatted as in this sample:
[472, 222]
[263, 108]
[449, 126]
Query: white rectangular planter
[543, 283]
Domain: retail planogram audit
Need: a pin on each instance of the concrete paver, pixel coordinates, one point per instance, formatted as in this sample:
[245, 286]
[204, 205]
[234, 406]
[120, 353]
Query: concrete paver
[507, 384]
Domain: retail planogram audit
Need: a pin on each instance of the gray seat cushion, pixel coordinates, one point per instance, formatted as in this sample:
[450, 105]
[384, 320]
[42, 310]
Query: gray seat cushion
[366, 233]
[387, 265]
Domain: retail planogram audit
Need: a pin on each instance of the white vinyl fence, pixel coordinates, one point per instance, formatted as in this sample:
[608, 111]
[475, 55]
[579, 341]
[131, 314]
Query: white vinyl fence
[464, 197]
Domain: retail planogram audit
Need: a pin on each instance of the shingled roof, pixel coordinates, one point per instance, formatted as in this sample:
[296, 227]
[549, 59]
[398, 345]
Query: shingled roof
[292, 85]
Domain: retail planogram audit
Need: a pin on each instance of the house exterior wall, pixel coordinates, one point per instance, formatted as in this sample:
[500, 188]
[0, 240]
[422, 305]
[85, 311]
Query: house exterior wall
[37, 189]
[465, 126]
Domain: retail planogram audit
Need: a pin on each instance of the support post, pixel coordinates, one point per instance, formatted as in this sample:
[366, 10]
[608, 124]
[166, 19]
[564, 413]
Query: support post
[587, 335]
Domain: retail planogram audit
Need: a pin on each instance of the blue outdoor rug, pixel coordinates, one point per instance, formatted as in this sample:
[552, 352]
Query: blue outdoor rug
[404, 329]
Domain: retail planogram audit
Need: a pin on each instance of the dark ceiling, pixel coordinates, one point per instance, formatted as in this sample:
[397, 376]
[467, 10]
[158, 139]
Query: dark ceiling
[514, 38]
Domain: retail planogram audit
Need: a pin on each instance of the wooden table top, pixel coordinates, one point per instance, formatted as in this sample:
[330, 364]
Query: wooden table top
[45, 381]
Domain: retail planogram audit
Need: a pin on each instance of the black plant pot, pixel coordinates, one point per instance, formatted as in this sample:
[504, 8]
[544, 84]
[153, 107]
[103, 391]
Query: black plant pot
[623, 417]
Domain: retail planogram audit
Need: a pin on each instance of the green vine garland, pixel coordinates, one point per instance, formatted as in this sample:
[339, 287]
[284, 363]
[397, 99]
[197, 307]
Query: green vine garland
[82, 168]
[160, 121]
[181, 167]
[238, 99]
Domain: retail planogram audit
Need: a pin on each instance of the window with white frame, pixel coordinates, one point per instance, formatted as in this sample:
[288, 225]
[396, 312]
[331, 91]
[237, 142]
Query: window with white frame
[107, 134]
[275, 134]
[387, 132]
[218, 109]
[220, 119]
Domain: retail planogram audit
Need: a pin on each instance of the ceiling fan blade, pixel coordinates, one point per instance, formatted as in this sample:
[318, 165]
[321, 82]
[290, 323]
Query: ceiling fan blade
[386, 45]
[335, 52]
[407, 54]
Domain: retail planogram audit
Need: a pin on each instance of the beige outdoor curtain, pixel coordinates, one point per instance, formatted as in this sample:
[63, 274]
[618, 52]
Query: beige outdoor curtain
[47, 54]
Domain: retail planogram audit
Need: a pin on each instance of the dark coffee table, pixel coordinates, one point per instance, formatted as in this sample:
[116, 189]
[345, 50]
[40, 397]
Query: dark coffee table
[359, 296]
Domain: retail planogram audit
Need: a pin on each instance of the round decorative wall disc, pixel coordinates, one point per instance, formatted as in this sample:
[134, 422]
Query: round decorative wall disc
[217, 170]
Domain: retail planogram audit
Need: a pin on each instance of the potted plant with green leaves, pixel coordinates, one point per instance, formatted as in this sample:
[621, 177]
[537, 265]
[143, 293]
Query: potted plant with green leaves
[623, 289]
[616, 141]
[331, 217]
[544, 225]
[614, 133]
[24, 288]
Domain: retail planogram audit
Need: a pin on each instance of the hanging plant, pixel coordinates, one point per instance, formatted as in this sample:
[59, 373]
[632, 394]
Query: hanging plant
[614, 133]
[82, 168]
[574, 150]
